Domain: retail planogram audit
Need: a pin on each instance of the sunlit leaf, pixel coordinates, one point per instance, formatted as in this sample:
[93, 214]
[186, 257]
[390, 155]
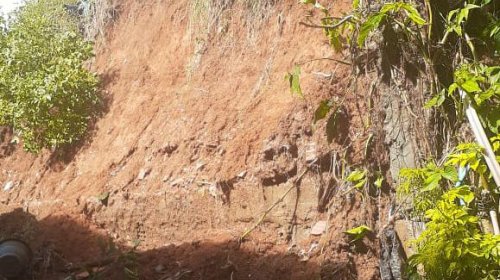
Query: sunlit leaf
[358, 233]
[322, 110]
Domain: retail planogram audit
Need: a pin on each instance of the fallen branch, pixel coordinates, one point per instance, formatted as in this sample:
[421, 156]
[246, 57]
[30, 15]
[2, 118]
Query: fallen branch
[294, 185]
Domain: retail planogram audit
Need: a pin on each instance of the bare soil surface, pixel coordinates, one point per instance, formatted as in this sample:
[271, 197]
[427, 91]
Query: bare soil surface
[199, 137]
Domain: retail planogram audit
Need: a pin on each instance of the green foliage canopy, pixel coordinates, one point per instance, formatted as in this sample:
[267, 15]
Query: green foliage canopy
[47, 95]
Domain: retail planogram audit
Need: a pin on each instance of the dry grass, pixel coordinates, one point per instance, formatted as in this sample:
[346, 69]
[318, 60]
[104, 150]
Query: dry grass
[97, 15]
[207, 16]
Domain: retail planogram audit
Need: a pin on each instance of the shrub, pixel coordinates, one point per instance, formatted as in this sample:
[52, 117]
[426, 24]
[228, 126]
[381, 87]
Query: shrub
[47, 95]
[452, 246]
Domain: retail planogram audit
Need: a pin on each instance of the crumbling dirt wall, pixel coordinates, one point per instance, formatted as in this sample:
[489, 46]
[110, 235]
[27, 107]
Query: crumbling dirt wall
[200, 136]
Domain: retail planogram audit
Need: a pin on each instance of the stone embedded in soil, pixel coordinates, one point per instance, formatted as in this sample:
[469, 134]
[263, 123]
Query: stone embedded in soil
[8, 186]
[319, 228]
[242, 174]
[177, 182]
[268, 152]
[169, 149]
[159, 268]
[213, 190]
[143, 173]
[311, 153]
[200, 165]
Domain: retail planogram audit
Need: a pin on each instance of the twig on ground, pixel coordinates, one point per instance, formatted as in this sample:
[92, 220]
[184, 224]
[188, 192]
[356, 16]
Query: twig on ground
[294, 185]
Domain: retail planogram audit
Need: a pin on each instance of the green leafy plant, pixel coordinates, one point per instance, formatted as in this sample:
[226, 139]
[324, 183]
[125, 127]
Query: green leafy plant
[390, 10]
[456, 19]
[46, 93]
[452, 246]
[443, 193]
[481, 83]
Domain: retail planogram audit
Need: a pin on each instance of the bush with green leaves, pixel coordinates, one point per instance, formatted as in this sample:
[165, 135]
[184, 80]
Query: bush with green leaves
[453, 246]
[47, 95]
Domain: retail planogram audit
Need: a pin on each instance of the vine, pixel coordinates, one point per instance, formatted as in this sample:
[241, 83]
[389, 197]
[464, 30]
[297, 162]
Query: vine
[454, 191]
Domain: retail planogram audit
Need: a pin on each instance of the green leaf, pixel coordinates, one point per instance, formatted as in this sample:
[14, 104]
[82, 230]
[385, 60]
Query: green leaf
[378, 183]
[335, 39]
[464, 13]
[360, 184]
[463, 193]
[355, 4]
[436, 101]
[413, 14]
[470, 86]
[358, 233]
[450, 173]
[452, 88]
[483, 96]
[356, 176]
[294, 81]
[331, 126]
[452, 14]
[466, 195]
[322, 110]
[432, 182]
[372, 23]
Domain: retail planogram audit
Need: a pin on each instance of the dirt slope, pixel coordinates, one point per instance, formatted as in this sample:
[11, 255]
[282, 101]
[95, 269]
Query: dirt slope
[200, 136]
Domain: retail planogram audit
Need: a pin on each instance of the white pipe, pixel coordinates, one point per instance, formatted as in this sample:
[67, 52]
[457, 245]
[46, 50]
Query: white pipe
[489, 155]
[494, 221]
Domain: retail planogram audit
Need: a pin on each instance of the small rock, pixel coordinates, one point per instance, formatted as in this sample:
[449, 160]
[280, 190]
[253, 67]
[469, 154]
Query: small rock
[269, 153]
[212, 145]
[177, 182]
[15, 140]
[311, 153]
[143, 173]
[159, 268]
[8, 186]
[242, 174]
[213, 190]
[169, 149]
[319, 228]
[104, 198]
[199, 166]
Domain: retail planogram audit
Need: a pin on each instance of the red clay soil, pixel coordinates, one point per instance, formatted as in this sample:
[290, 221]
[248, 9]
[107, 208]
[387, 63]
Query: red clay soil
[200, 135]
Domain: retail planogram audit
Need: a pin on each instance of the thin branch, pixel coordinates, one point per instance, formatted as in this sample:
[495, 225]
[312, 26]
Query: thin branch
[294, 185]
[336, 25]
[325, 58]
